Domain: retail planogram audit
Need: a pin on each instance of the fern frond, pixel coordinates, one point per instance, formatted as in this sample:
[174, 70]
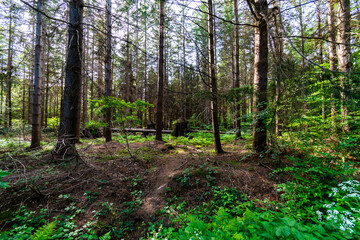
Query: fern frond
[45, 232]
[106, 236]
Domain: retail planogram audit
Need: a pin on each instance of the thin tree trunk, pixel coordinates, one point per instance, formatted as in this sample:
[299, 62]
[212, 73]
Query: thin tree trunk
[184, 63]
[92, 76]
[237, 71]
[23, 94]
[127, 74]
[8, 113]
[145, 71]
[159, 105]
[213, 84]
[46, 114]
[332, 52]
[108, 76]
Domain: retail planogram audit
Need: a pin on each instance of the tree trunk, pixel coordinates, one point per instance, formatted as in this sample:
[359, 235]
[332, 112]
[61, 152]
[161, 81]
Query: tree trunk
[23, 95]
[145, 72]
[213, 84]
[72, 93]
[108, 76]
[47, 90]
[36, 114]
[321, 58]
[85, 117]
[127, 70]
[159, 105]
[184, 63]
[344, 55]
[260, 76]
[8, 113]
[332, 52]
[237, 72]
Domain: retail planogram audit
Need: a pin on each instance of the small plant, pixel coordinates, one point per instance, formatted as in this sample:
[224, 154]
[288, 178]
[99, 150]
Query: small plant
[90, 196]
[343, 208]
[184, 179]
[2, 183]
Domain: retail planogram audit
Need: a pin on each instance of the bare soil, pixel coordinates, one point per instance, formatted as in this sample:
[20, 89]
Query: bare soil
[155, 173]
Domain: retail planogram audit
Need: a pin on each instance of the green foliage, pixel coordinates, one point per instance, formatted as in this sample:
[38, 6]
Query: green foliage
[94, 124]
[44, 232]
[313, 178]
[53, 122]
[190, 176]
[2, 183]
[343, 207]
[231, 216]
[124, 113]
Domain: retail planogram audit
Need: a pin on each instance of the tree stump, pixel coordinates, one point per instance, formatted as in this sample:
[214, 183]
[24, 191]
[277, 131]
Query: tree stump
[180, 128]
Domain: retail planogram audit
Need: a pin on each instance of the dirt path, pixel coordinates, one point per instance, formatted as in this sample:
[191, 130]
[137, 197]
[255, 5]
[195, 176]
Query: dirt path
[154, 200]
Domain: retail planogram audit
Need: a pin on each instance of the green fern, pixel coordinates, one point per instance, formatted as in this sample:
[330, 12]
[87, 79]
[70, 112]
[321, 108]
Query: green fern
[106, 236]
[45, 232]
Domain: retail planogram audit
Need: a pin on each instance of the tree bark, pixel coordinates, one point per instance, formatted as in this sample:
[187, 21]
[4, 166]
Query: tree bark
[260, 76]
[237, 71]
[344, 55]
[108, 73]
[36, 113]
[159, 105]
[72, 93]
[332, 52]
[213, 83]
[8, 113]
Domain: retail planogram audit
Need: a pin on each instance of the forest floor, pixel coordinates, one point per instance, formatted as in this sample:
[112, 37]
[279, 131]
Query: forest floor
[117, 188]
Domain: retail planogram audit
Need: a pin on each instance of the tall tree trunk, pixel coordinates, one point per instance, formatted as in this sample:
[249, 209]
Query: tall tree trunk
[137, 83]
[213, 83]
[128, 64]
[184, 63]
[237, 71]
[23, 95]
[145, 71]
[85, 117]
[92, 76]
[72, 93]
[36, 114]
[8, 113]
[47, 90]
[320, 43]
[332, 52]
[159, 105]
[279, 62]
[108, 76]
[260, 76]
[344, 55]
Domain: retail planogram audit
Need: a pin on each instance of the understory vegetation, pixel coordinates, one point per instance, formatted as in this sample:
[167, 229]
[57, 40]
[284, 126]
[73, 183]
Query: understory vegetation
[314, 192]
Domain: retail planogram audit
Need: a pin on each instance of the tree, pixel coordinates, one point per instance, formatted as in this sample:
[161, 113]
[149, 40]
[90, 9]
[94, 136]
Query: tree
[213, 83]
[72, 93]
[36, 112]
[237, 71]
[108, 71]
[259, 9]
[8, 111]
[344, 54]
[332, 50]
[159, 105]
